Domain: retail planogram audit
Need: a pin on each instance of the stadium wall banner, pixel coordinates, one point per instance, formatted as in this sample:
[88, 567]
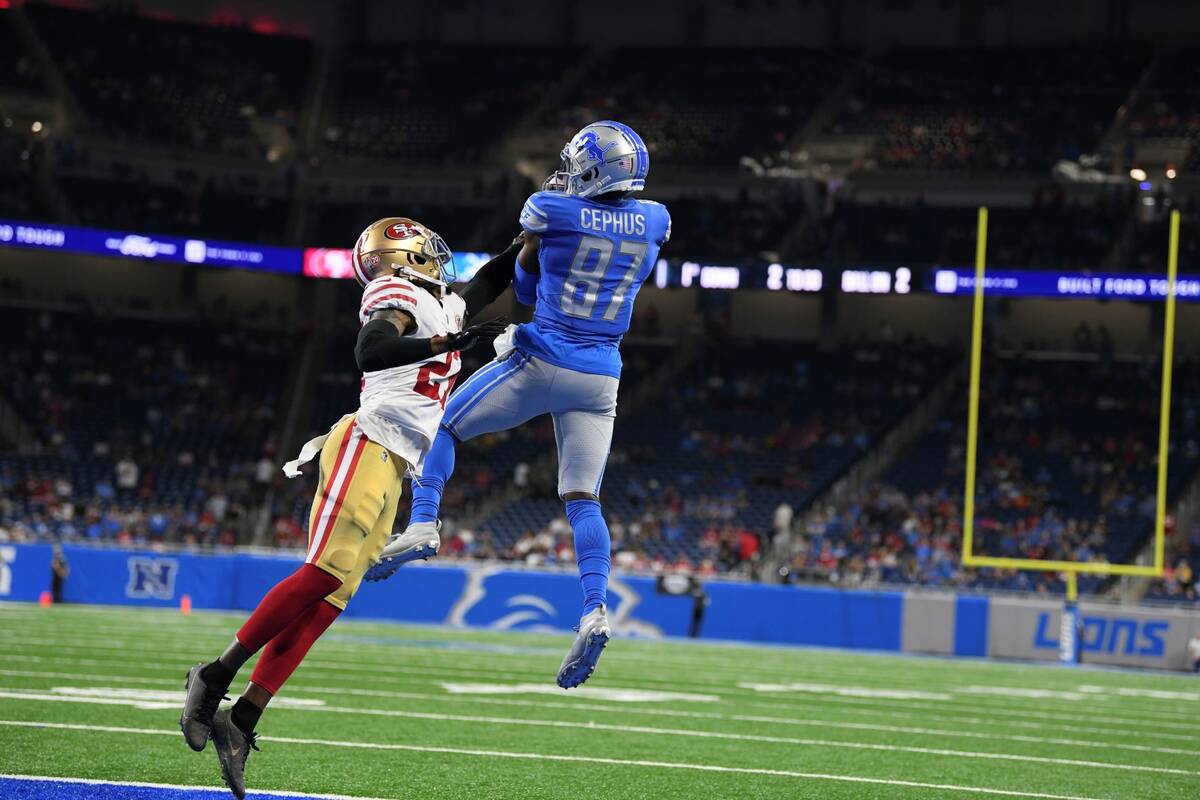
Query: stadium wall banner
[1142, 636]
[1044, 283]
[497, 597]
[148, 247]
[325, 262]
[335, 262]
[1014, 627]
[501, 597]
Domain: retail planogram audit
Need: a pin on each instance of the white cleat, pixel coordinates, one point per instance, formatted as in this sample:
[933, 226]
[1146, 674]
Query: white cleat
[580, 662]
[419, 540]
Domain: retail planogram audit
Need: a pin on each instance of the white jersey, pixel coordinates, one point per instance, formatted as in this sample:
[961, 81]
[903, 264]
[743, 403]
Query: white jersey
[401, 407]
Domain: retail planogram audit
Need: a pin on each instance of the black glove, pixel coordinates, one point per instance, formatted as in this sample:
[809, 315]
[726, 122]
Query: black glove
[473, 335]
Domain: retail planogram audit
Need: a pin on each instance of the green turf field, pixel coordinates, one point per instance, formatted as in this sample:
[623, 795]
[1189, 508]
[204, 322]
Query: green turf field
[389, 711]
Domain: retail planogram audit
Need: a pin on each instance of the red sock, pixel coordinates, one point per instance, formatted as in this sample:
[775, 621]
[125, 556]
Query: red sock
[286, 601]
[285, 652]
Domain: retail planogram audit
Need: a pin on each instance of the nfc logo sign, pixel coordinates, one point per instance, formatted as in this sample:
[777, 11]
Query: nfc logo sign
[151, 578]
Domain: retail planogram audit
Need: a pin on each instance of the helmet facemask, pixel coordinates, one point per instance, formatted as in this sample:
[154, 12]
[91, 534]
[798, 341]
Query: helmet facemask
[434, 266]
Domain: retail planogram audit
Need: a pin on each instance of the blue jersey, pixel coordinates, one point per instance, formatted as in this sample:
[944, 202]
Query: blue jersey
[594, 257]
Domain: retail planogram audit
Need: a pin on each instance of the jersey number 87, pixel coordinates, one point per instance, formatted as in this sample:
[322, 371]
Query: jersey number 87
[598, 252]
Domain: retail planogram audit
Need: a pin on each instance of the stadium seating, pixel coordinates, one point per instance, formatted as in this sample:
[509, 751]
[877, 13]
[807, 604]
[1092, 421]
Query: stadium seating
[19, 71]
[1173, 109]
[989, 108]
[173, 83]
[16, 185]
[149, 430]
[1051, 232]
[1151, 236]
[218, 88]
[209, 210]
[1067, 470]
[1181, 583]
[435, 104]
[709, 107]
[731, 230]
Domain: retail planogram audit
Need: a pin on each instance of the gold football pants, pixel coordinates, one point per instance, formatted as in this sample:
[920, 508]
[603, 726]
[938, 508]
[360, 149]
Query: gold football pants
[353, 512]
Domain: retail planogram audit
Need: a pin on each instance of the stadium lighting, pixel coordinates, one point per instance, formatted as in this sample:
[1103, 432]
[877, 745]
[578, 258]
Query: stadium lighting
[1138, 174]
[1171, 173]
[36, 127]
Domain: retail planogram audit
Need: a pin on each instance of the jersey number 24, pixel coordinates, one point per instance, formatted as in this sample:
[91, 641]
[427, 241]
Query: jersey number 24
[437, 390]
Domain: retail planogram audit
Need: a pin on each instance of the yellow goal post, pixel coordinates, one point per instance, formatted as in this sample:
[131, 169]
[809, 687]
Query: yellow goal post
[1071, 568]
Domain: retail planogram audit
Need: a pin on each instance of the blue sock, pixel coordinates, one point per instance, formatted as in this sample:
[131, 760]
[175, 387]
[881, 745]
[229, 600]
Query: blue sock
[592, 551]
[427, 490]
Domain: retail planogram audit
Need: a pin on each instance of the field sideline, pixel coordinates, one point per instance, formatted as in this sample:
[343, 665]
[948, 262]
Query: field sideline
[389, 711]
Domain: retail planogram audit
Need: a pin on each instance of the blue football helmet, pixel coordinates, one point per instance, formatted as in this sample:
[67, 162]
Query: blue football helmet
[605, 156]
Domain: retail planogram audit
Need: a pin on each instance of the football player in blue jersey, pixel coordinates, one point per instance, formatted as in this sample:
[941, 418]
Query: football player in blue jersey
[589, 244]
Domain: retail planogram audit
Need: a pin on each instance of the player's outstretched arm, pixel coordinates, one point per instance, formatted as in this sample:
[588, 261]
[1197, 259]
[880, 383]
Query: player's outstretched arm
[491, 280]
[384, 342]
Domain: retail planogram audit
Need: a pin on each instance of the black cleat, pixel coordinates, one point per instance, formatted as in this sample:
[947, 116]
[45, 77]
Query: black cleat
[233, 747]
[199, 706]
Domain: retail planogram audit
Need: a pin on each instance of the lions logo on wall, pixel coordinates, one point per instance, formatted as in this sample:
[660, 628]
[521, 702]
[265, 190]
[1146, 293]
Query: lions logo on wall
[402, 230]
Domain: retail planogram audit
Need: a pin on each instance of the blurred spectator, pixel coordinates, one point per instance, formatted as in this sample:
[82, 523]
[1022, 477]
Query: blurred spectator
[59, 571]
[783, 519]
[127, 474]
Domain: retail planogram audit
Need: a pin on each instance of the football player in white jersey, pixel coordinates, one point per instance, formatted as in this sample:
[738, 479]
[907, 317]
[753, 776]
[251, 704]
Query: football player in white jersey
[408, 350]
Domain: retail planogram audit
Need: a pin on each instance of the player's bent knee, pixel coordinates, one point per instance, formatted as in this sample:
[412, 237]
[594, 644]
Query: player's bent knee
[569, 496]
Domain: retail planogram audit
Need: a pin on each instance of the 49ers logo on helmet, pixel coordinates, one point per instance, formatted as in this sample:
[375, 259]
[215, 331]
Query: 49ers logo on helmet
[402, 230]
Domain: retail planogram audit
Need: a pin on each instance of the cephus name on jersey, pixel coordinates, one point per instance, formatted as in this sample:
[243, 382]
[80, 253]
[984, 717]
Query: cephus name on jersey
[616, 223]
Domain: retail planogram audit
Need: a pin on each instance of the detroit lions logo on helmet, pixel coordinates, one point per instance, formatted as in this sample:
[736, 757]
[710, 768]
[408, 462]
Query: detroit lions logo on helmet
[590, 143]
[605, 156]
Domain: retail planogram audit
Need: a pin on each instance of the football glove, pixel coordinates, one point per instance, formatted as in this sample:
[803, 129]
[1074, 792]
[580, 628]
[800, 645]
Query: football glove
[473, 335]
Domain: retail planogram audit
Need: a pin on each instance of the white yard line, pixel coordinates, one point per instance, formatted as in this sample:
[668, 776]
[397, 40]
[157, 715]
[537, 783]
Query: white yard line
[182, 787]
[579, 759]
[416, 664]
[714, 662]
[108, 695]
[652, 731]
[622, 708]
[717, 715]
[976, 704]
[709, 651]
